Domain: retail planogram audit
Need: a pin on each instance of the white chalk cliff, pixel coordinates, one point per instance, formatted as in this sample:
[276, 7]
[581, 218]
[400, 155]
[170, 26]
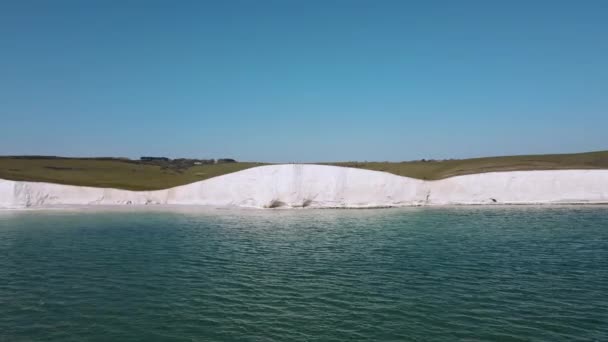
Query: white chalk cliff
[318, 186]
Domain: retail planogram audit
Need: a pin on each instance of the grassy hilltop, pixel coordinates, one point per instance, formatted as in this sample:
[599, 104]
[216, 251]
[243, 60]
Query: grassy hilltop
[112, 172]
[154, 175]
[434, 169]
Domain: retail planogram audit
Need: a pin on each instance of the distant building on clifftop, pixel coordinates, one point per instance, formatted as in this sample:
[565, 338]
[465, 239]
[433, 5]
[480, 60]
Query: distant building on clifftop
[154, 159]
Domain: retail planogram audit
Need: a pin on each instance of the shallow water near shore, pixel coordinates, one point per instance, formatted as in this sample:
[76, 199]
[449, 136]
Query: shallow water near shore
[513, 273]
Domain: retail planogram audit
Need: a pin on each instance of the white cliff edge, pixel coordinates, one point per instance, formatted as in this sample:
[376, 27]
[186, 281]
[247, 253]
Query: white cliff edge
[319, 186]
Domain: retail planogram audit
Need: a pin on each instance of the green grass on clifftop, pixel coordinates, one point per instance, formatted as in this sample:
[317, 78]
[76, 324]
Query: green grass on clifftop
[110, 173]
[136, 175]
[433, 170]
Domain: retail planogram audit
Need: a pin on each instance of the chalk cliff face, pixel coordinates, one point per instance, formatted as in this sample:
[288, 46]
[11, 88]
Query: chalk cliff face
[523, 187]
[302, 186]
[318, 186]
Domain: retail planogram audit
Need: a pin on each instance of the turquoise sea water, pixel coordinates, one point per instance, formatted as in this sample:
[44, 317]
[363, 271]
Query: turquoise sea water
[416, 274]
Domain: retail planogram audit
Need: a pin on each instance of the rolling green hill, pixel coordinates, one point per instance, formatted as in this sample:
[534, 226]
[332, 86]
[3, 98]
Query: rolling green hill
[433, 170]
[111, 172]
[154, 175]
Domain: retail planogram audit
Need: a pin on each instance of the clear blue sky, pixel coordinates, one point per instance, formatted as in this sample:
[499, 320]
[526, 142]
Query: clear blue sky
[285, 80]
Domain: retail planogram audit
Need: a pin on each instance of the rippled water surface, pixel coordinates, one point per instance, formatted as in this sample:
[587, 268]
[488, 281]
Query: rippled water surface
[479, 274]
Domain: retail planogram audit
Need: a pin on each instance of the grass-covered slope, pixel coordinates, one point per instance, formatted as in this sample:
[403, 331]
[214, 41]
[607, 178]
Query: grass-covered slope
[433, 170]
[137, 175]
[110, 173]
